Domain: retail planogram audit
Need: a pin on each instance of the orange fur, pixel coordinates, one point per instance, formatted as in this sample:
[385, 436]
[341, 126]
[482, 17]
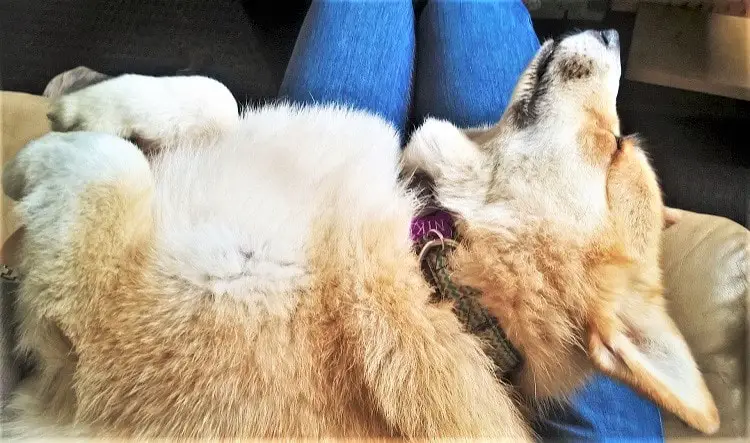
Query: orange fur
[168, 367]
[567, 257]
[559, 231]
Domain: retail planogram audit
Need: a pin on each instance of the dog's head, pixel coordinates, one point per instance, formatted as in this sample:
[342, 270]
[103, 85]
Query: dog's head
[560, 219]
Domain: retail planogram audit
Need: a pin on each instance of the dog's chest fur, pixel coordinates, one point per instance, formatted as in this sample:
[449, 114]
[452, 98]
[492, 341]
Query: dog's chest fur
[237, 217]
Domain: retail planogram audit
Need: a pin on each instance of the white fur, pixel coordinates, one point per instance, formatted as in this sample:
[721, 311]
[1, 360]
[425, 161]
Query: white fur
[237, 202]
[535, 179]
[233, 214]
[543, 181]
[51, 172]
[178, 108]
[608, 58]
[554, 179]
[241, 209]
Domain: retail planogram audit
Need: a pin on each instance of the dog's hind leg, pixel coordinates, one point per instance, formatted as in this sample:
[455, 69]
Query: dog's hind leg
[431, 379]
[67, 185]
[153, 112]
[85, 200]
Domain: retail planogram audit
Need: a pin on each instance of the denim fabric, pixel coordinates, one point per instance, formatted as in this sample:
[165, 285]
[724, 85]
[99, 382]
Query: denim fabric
[358, 53]
[469, 56]
[604, 410]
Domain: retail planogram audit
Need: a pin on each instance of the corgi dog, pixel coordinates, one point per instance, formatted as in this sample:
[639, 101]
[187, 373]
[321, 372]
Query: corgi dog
[251, 274]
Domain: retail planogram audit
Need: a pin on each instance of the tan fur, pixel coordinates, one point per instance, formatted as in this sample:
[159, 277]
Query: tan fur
[559, 230]
[560, 225]
[137, 341]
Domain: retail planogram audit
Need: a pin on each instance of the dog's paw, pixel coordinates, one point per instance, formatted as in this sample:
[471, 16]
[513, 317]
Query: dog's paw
[31, 164]
[41, 159]
[103, 108]
[73, 80]
[70, 113]
[63, 161]
[156, 110]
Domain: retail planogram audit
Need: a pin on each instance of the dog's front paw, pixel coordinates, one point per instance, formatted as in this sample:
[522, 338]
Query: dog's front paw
[90, 109]
[63, 161]
[156, 110]
[40, 159]
[14, 180]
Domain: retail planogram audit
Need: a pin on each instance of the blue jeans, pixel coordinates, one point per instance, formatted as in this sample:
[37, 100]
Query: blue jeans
[457, 60]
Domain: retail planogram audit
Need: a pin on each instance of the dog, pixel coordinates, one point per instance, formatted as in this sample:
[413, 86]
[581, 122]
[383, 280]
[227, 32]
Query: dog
[252, 275]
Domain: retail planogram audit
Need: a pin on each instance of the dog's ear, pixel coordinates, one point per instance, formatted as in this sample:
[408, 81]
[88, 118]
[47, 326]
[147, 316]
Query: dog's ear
[641, 346]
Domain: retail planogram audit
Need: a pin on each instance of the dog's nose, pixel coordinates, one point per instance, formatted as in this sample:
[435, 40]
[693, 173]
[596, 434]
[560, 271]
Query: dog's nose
[610, 38]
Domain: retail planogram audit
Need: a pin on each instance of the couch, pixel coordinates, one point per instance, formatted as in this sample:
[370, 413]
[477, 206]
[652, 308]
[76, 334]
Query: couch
[706, 262]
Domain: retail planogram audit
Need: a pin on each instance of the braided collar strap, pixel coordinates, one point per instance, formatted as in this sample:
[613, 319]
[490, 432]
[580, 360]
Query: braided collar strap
[8, 274]
[434, 246]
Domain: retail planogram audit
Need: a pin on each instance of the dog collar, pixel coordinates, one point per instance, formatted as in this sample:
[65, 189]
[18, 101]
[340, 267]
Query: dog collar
[433, 237]
[438, 221]
[8, 274]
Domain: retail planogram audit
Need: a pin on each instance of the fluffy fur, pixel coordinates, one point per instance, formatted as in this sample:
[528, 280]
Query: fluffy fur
[254, 275]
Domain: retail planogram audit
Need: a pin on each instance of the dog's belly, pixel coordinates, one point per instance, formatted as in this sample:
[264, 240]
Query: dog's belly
[237, 217]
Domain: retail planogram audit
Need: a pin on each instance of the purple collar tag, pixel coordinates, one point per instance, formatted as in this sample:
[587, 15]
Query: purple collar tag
[439, 221]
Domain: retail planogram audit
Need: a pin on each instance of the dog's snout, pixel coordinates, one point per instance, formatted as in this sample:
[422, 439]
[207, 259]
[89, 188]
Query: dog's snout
[610, 38]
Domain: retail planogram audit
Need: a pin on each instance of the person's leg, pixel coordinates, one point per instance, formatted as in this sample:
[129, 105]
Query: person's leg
[470, 56]
[603, 409]
[357, 53]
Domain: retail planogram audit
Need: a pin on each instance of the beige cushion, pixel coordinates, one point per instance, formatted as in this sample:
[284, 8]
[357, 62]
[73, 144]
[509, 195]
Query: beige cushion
[24, 118]
[706, 263]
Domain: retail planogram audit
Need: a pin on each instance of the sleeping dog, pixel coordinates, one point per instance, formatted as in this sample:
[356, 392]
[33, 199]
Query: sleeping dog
[253, 275]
